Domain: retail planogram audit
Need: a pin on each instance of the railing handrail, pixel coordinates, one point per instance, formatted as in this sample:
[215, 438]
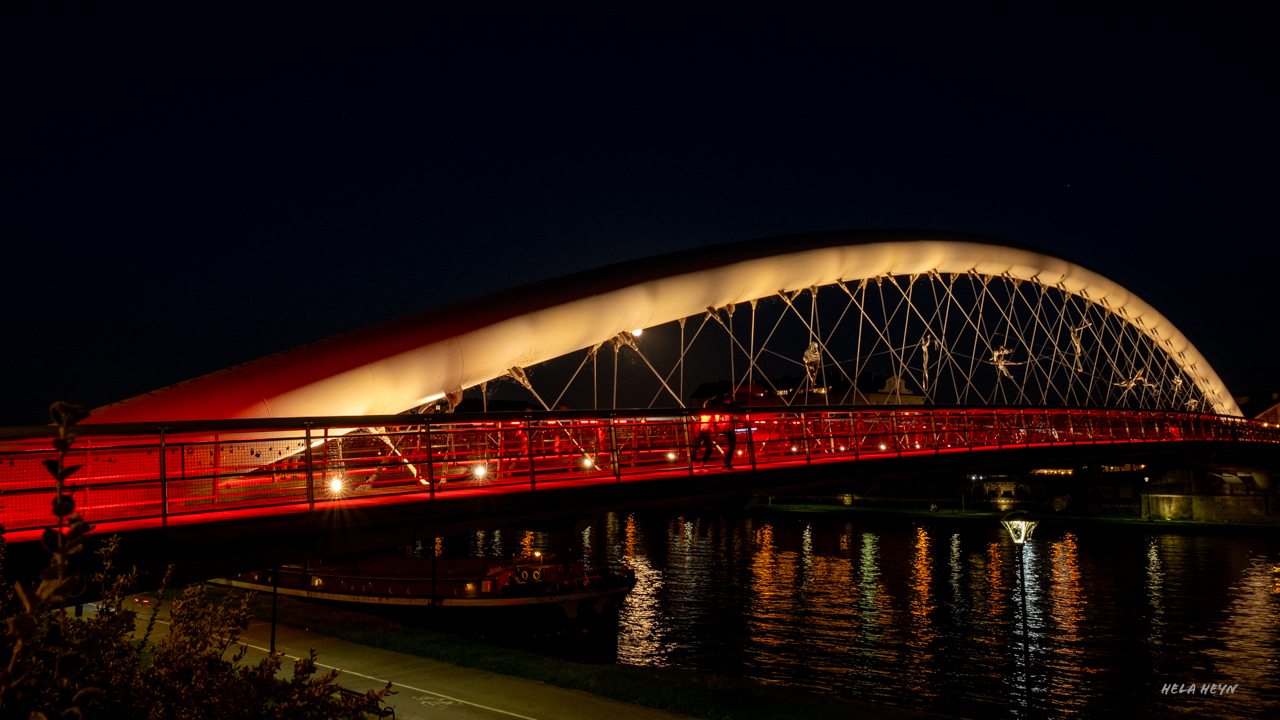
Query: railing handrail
[132, 480]
[300, 424]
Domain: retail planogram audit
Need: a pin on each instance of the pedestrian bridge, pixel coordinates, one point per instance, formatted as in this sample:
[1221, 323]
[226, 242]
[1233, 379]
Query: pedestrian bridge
[186, 473]
[848, 348]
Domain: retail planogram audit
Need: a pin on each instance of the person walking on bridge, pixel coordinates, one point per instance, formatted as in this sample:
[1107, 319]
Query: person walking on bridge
[706, 424]
[727, 421]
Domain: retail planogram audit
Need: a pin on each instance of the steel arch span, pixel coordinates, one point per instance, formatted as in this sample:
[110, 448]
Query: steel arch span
[967, 319]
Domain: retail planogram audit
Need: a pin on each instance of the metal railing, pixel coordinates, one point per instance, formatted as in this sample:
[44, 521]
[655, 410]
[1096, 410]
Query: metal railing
[148, 471]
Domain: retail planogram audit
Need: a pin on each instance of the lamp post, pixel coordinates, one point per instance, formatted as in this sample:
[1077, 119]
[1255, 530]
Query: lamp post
[1020, 525]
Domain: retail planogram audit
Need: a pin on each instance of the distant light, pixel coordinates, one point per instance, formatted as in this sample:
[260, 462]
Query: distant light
[881, 446]
[793, 448]
[480, 470]
[841, 448]
[638, 332]
[537, 554]
[336, 485]
[1146, 479]
[586, 462]
[739, 452]
[671, 456]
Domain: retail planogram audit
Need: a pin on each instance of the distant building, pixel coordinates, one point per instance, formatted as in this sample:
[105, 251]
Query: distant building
[1260, 406]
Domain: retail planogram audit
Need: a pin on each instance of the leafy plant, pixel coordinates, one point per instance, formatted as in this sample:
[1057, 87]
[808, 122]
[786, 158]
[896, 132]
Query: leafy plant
[66, 667]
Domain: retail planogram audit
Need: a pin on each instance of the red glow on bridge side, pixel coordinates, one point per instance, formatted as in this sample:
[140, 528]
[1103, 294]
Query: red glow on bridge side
[218, 471]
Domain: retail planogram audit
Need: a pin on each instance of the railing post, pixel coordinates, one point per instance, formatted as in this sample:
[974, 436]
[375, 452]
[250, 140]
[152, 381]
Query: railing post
[164, 485]
[933, 429]
[613, 449]
[217, 465]
[688, 442]
[751, 442]
[804, 433]
[528, 441]
[430, 460]
[311, 485]
[893, 416]
[968, 431]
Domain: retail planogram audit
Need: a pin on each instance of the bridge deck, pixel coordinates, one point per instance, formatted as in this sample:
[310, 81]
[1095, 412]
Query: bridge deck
[135, 477]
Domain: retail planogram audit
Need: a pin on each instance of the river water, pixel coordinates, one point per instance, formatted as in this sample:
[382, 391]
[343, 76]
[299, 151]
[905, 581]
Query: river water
[929, 614]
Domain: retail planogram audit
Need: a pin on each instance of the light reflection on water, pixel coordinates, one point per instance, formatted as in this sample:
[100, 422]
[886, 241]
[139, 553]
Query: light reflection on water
[929, 615]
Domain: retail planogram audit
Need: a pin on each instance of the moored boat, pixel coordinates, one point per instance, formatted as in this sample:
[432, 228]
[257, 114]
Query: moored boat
[445, 582]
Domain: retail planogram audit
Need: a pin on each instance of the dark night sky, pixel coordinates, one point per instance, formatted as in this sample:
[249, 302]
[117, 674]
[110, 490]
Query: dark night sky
[185, 193]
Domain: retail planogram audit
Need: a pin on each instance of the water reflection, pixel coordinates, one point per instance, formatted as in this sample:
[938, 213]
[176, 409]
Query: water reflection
[1155, 594]
[1245, 656]
[642, 623]
[930, 616]
[920, 607]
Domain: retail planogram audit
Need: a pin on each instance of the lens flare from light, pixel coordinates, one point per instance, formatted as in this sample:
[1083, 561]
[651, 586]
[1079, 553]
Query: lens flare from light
[480, 471]
[336, 485]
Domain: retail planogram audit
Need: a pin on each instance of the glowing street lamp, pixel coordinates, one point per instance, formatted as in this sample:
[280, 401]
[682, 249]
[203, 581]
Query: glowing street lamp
[1019, 524]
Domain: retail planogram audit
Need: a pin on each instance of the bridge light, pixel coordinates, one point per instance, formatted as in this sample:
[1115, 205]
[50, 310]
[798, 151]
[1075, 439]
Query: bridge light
[793, 448]
[586, 462]
[841, 448]
[637, 332]
[336, 485]
[671, 456]
[881, 446]
[480, 471]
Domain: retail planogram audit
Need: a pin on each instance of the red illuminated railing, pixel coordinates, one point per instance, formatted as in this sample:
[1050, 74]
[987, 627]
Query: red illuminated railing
[132, 472]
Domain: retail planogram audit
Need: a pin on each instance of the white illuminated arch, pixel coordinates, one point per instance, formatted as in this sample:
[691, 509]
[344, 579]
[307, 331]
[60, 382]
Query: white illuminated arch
[390, 368]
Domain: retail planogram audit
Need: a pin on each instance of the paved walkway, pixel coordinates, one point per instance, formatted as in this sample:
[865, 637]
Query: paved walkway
[433, 690]
[440, 691]
[429, 689]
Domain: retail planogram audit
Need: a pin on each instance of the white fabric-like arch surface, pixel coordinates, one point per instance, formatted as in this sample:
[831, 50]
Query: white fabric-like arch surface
[395, 366]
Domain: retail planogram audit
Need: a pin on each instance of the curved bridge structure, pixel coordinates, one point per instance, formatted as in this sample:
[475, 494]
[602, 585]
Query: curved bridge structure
[933, 350]
[1004, 324]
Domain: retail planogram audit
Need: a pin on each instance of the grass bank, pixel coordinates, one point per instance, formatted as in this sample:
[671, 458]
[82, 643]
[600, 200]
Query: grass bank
[699, 694]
